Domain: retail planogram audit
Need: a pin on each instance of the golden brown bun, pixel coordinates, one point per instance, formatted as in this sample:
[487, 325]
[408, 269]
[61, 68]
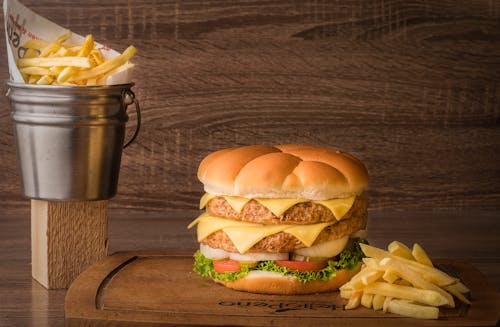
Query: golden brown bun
[273, 283]
[283, 171]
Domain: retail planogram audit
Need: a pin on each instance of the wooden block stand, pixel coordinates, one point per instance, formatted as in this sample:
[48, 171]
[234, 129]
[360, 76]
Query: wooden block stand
[66, 237]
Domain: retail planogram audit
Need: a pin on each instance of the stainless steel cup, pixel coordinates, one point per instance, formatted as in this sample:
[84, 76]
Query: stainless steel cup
[70, 139]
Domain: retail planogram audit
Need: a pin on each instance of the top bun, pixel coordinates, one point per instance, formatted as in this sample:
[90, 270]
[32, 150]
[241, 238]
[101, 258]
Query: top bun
[283, 171]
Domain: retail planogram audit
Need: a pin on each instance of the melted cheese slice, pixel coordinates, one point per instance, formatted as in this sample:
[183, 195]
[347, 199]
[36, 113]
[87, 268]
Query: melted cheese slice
[236, 202]
[205, 198]
[244, 235]
[308, 234]
[338, 207]
[279, 206]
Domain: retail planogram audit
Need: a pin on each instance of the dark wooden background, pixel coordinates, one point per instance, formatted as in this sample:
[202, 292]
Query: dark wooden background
[410, 87]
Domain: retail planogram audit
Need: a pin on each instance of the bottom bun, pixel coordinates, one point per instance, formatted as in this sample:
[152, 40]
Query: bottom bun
[274, 283]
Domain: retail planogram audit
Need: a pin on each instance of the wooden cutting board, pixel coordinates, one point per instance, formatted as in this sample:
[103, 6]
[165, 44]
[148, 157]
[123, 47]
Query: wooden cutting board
[158, 289]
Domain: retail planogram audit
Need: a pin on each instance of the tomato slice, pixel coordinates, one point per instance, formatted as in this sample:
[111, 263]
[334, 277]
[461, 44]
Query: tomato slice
[301, 266]
[221, 266]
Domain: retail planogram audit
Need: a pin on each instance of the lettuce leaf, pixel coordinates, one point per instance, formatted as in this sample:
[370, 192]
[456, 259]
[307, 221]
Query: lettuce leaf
[205, 268]
[347, 259]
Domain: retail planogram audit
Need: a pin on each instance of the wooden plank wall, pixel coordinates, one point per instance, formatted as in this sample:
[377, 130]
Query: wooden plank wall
[410, 87]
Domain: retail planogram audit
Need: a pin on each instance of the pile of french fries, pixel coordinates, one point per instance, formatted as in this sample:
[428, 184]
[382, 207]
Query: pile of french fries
[402, 281]
[57, 63]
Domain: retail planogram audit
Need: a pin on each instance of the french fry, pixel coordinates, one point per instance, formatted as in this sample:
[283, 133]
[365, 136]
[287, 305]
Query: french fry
[63, 37]
[104, 79]
[30, 53]
[346, 286]
[420, 255]
[91, 81]
[55, 70]
[414, 278]
[49, 50]
[59, 63]
[365, 277]
[455, 290]
[413, 310]
[33, 79]
[84, 51]
[346, 293]
[96, 57]
[87, 46]
[371, 277]
[367, 300]
[430, 273]
[34, 70]
[371, 262]
[401, 250]
[45, 80]
[390, 276]
[385, 305]
[107, 65]
[418, 295]
[62, 52]
[378, 301]
[403, 282]
[25, 77]
[354, 300]
[459, 286]
[54, 61]
[55, 46]
[35, 44]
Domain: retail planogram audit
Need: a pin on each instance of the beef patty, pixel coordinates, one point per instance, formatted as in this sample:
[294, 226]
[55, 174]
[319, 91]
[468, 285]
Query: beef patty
[285, 242]
[301, 213]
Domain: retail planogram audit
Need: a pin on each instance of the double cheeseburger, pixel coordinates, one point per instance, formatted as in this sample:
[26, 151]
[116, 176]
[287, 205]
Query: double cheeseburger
[283, 219]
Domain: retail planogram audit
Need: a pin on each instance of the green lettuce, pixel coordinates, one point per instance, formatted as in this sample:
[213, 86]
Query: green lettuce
[347, 259]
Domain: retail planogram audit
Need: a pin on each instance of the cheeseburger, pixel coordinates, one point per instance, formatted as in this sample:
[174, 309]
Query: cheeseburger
[283, 219]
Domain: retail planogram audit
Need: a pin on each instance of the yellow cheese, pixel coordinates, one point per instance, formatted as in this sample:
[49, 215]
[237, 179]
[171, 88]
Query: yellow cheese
[208, 225]
[279, 206]
[205, 198]
[244, 235]
[307, 234]
[339, 207]
[236, 202]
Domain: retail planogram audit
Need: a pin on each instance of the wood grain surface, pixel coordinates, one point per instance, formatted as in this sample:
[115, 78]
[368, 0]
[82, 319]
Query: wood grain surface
[410, 87]
[441, 232]
[66, 238]
[145, 287]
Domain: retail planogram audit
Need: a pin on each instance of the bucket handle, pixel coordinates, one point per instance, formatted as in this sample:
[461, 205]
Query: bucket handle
[129, 98]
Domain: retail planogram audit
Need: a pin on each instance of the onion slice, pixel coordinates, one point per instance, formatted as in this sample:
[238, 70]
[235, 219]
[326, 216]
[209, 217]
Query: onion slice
[258, 256]
[324, 250]
[212, 253]
[360, 234]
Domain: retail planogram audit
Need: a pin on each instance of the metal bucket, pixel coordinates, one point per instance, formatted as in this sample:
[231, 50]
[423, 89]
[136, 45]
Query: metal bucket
[70, 139]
